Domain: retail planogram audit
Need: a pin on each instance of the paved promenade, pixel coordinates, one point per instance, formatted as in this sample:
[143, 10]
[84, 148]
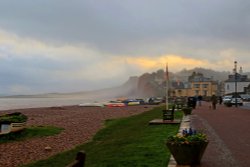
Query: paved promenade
[228, 130]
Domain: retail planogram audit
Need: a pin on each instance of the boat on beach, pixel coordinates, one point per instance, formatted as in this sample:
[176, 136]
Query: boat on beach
[12, 122]
[115, 104]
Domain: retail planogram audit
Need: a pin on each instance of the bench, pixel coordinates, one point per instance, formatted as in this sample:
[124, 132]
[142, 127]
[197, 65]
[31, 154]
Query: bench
[179, 102]
[169, 114]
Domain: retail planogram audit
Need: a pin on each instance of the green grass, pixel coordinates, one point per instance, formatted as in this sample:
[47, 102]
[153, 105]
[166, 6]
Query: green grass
[30, 132]
[124, 142]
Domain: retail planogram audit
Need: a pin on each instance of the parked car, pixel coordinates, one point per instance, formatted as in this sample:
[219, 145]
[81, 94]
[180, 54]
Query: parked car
[237, 101]
[245, 97]
[226, 99]
[231, 100]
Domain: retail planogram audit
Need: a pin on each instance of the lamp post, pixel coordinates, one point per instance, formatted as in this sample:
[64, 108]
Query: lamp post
[235, 79]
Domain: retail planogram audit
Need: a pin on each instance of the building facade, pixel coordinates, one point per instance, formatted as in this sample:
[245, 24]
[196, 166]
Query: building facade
[236, 83]
[197, 85]
[203, 86]
[180, 89]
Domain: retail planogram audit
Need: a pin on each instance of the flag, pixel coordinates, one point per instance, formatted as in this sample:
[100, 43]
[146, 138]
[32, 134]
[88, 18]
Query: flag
[167, 77]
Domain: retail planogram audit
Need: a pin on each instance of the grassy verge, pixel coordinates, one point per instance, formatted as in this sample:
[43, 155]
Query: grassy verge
[30, 132]
[124, 142]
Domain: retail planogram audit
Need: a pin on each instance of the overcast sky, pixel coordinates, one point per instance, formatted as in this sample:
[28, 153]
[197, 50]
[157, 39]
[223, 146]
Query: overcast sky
[65, 46]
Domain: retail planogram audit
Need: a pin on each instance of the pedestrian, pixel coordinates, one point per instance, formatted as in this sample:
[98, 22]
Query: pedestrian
[220, 100]
[199, 99]
[214, 101]
[194, 102]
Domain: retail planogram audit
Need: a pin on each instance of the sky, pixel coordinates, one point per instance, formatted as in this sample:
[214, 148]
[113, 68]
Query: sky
[67, 46]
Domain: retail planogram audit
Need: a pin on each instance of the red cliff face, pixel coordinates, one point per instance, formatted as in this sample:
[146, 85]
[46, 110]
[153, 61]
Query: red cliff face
[151, 84]
[144, 87]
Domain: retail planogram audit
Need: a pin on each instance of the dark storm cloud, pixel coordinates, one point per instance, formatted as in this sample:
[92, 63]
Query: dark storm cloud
[47, 43]
[126, 26]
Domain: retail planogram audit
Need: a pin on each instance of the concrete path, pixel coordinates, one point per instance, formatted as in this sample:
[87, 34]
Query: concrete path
[228, 130]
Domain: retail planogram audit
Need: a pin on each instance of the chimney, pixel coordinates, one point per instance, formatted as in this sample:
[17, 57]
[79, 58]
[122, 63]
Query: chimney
[234, 71]
[241, 71]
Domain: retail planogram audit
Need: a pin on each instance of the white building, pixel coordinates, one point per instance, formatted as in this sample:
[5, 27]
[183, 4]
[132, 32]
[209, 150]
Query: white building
[240, 82]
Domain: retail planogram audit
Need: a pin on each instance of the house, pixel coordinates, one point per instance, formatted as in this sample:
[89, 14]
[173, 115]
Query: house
[197, 85]
[203, 86]
[180, 89]
[247, 90]
[236, 82]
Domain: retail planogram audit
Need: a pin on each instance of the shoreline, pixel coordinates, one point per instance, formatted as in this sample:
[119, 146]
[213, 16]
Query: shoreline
[80, 124]
[29, 102]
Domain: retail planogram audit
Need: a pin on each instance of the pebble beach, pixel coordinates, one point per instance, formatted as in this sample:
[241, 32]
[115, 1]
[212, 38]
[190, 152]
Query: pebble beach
[80, 125]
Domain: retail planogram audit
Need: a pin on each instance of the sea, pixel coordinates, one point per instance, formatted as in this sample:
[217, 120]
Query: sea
[34, 102]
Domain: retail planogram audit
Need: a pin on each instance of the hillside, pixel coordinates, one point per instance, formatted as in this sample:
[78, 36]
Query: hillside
[216, 75]
[153, 84]
[146, 85]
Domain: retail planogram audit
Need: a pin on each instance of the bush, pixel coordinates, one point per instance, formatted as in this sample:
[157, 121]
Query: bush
[187, 110]
[15, 117]
[187, 137]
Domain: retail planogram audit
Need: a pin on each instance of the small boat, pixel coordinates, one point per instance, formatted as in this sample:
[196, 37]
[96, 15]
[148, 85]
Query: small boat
[13, 122]
[115, 104]
[133, 103]
[13, 127]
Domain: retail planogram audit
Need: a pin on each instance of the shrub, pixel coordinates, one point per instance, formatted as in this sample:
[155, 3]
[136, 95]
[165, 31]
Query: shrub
[187, 110]
[16, 117]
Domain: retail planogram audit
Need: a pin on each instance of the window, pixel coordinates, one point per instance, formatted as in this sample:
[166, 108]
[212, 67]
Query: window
[204, 93]
[196, 92]
[196, 85]
[205, 85]
[227, 86]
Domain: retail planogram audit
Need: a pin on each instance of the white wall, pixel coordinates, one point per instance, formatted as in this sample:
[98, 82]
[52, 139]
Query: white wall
[230, 86]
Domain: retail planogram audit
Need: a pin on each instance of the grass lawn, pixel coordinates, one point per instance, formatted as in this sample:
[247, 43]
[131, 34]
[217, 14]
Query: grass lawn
[123, 142]
[30, 132]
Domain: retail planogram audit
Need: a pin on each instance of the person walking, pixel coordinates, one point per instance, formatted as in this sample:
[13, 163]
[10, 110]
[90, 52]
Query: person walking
[214, 101]
[220, 100]
[199, 99]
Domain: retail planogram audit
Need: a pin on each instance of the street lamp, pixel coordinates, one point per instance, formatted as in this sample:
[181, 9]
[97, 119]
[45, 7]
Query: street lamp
[235, 79]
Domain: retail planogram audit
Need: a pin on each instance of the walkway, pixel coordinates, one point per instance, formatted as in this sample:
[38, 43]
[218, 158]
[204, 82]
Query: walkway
[228, 132]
